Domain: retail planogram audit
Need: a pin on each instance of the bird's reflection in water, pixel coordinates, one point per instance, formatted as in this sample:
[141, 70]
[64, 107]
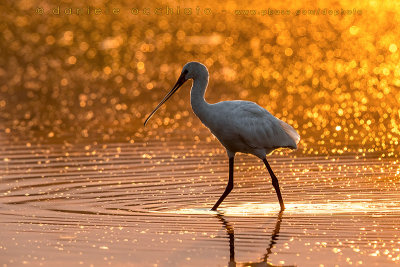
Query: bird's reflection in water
[231, 234]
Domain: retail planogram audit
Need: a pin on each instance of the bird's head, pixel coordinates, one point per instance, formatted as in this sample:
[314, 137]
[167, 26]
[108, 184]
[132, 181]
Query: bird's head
[195, 70]
[192, 70]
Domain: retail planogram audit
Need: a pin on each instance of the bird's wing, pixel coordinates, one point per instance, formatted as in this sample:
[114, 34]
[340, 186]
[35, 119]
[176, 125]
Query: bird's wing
[290, 131]
[260, 129]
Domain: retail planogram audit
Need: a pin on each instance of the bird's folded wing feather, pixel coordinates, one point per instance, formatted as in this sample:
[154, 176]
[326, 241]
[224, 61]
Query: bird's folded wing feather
[290, 131]
[260, 129]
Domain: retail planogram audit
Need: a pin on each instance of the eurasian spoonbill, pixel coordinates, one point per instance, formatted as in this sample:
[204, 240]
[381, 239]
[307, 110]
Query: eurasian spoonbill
[240, 126]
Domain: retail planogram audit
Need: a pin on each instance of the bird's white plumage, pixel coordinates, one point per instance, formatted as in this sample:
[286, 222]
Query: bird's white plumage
[291, 132]
[241, 126]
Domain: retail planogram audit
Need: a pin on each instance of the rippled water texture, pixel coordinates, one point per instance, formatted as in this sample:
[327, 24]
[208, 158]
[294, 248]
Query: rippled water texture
[150, 204]
[82, 182]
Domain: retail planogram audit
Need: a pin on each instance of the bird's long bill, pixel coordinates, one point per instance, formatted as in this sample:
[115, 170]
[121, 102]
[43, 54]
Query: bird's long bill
[178, 84]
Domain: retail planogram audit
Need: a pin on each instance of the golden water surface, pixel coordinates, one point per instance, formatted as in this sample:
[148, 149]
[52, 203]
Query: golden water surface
[82, 182]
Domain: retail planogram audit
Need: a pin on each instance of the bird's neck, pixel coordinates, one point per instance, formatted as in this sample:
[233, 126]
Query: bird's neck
[199, 104]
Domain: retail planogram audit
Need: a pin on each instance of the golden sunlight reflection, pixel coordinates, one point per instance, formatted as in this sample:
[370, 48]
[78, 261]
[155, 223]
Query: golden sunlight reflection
[82, 182]
[268, 209]
[335, 78]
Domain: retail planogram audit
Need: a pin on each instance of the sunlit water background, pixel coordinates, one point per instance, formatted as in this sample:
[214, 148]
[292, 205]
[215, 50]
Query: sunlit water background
[82, 182]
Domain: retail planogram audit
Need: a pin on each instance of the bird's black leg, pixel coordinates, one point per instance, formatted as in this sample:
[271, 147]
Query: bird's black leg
[275, 183]
[229, 187]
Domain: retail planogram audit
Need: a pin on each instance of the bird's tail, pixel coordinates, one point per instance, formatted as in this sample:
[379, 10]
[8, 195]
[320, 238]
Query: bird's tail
[291, 132]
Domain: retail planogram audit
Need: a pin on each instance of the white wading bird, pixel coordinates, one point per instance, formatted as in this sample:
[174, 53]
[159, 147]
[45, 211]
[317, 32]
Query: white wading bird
[240, 126]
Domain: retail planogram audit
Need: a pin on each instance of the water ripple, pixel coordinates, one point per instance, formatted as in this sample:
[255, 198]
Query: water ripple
[129, 201]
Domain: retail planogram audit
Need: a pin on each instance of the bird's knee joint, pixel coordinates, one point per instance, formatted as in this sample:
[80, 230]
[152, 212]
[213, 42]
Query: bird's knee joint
[229, 187]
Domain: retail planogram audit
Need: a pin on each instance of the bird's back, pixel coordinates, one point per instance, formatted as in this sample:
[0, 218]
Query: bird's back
[243, 126]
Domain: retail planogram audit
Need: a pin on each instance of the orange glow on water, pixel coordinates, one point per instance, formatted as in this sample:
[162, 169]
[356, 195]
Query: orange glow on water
[267, 209]
[82, 182]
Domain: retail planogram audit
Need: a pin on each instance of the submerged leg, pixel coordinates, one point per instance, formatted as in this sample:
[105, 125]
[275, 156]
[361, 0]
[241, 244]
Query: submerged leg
[275, 183]
[229, 187]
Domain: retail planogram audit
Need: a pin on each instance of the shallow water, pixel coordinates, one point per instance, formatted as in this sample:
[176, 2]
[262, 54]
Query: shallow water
[82, 182]
[148, 204]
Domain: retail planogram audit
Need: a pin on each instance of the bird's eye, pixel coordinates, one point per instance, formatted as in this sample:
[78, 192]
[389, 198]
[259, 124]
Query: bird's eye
[184, 73]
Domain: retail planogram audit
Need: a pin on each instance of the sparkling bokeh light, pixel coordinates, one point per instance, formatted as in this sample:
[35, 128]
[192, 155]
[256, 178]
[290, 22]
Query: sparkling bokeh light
[82, 182]
[336, 79]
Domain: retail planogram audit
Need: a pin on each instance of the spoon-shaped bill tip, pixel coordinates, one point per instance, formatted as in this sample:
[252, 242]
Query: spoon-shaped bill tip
[145, 122]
